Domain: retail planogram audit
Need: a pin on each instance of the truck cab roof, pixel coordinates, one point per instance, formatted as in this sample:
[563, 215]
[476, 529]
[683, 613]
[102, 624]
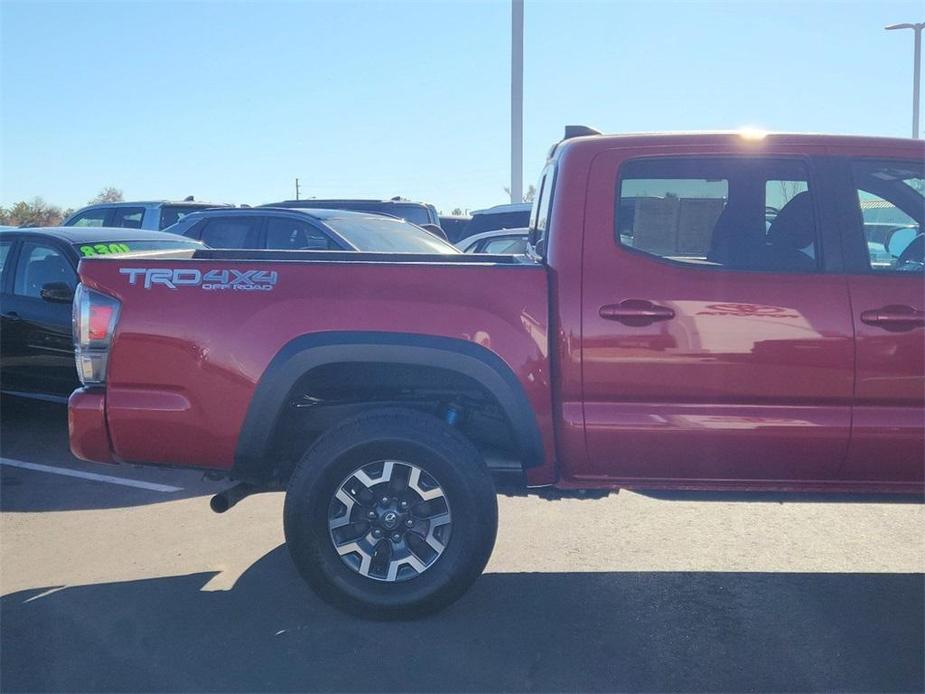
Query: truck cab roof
[749, 139]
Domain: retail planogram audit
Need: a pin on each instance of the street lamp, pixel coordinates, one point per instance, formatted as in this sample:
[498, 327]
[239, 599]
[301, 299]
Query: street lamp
[917, 28]
[517, 100]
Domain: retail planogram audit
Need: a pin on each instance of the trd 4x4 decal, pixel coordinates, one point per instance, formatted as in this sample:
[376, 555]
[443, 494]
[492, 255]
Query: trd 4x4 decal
[210, 280]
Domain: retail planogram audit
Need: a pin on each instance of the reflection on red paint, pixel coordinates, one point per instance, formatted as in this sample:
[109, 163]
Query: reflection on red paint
[757, 310]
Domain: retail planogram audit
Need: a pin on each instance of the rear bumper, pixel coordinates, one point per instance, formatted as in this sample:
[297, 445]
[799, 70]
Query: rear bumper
[86, 423]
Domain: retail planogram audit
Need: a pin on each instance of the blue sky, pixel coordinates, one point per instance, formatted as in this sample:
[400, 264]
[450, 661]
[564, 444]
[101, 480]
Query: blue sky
[230, 101]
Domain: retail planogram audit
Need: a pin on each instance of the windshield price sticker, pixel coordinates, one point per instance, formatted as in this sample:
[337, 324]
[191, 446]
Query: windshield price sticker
[103, 249]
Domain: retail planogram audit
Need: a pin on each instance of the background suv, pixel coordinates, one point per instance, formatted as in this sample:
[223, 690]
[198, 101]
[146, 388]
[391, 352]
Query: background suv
[513, 216]
[419, 213]
[154, 214]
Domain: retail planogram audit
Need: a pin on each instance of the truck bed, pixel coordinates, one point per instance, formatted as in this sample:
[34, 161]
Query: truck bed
[186, 359]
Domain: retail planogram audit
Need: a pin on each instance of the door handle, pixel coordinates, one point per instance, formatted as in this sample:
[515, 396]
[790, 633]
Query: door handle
[636, 312]
[894, 317]
[11, 315]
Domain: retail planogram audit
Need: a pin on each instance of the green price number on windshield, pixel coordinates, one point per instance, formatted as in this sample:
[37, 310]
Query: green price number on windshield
[103, 249]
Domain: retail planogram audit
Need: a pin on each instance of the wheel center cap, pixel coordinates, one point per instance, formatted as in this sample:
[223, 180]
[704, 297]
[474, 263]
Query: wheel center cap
[390, 519]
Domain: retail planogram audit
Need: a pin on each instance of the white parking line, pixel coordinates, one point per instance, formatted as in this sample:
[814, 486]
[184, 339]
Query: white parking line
[150, 486]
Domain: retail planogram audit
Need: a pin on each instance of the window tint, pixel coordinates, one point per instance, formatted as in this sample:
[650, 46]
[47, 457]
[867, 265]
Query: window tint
[229, 232]
[293, 235]
[735, 214]
[891, 201]
[91, 218]
[127, 217]
[39, 265]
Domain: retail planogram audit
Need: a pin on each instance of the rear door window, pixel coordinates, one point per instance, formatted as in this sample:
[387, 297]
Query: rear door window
[96, 217]
[296, 235]
[231, 232]
[723, 213]
[127, 217]
[40, 264]
[171, 214]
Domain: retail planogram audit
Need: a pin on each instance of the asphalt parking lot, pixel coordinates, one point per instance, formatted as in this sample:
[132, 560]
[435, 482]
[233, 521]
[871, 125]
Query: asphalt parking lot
[108, 587]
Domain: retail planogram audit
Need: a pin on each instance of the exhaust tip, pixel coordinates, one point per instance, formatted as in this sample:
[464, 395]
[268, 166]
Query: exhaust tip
[219, 503]
[227, 498]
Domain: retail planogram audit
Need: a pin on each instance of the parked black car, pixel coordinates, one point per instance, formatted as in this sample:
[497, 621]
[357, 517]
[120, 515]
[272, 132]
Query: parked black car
[37, 281]
[315, 230]
[513, 216]
[419, 213]
[454, 226]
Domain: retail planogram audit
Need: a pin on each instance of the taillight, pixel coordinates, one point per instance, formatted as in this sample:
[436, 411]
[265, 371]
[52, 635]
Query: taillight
[94, 321]
[100, 319]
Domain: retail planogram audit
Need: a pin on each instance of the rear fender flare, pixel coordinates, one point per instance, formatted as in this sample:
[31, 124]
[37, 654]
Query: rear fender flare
[307, 352]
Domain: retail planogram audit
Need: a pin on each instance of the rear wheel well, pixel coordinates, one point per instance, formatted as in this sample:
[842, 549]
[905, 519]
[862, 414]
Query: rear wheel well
[328, 393]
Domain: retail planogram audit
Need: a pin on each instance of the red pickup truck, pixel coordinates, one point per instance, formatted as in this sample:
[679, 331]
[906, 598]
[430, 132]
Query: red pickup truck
[702, 312]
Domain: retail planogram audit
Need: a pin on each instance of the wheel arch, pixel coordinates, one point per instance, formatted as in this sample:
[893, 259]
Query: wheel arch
[304, 354]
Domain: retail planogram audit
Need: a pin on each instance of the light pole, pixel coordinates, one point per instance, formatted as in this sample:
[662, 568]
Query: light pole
[917, 28]
[517, 100]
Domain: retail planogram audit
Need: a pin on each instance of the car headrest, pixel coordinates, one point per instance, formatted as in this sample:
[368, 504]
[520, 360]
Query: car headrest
[794, 226]
[52, 268]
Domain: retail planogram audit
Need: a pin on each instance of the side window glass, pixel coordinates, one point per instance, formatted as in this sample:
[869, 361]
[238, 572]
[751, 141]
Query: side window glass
[505, 246]
[731, 214]
[171, 214]
[539, 215]
[293, 235]
[228, 232]
[5, 247]
[542, 207]
[40, 265]
[127, 217]
[891, 198]
[777, 194]
[91, 218]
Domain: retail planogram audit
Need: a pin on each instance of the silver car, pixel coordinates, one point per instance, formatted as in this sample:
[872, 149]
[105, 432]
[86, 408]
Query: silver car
[151, 214]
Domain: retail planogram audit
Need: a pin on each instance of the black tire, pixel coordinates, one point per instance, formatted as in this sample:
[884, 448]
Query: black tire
[422, 441]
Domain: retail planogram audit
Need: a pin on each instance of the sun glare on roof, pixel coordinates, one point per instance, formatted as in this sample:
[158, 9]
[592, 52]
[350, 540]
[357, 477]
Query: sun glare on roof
[752, 133]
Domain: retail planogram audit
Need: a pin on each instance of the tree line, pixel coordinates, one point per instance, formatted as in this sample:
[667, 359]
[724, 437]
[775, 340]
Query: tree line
[38, 213]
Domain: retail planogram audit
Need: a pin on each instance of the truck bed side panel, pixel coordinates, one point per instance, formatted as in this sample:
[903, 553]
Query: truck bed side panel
[186, 361]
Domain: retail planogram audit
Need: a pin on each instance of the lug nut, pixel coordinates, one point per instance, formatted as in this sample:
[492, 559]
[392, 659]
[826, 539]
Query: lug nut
[371, 515]
[410, 522]
[404, 504]
[396, 537]
[377, 533]
[385, 500]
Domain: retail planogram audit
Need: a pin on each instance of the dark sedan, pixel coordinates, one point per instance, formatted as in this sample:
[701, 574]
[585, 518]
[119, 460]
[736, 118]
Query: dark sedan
[301, 230]
[38, 275]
